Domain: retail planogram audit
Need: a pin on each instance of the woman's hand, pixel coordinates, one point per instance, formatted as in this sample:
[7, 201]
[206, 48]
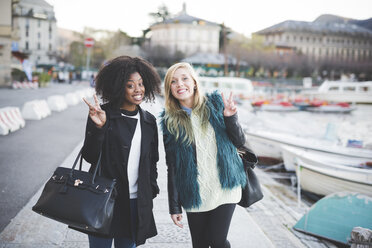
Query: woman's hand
[97, 115]
[230, 108]
[177, 219]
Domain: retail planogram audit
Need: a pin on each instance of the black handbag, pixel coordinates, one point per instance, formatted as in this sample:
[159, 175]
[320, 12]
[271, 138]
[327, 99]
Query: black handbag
[252, 192]
[80, 199]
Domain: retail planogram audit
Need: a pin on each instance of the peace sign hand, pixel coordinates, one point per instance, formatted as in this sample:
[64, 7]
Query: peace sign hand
[230, 108]
[97, 115]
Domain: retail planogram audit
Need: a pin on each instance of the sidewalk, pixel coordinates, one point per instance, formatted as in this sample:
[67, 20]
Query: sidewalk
[30, 230]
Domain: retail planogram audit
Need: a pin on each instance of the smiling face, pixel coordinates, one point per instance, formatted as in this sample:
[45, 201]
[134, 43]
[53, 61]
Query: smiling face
[134, 92]
[182, 87]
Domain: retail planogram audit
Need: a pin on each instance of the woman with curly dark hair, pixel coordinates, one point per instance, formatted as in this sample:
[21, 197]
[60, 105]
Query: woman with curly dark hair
[127, 137]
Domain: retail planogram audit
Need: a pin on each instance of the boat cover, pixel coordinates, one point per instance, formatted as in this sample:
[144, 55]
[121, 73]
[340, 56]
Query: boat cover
[334, 216]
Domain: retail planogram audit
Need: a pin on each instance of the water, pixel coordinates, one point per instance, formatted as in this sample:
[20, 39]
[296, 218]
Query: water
[339, 128]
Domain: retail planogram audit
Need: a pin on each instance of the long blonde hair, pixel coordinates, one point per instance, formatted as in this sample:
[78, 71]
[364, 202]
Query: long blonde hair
[174, 116]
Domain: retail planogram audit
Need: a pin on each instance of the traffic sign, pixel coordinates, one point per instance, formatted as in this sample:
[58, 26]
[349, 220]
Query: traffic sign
[88, 42]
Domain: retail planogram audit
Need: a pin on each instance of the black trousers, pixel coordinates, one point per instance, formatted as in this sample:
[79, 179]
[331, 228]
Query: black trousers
[209, 229]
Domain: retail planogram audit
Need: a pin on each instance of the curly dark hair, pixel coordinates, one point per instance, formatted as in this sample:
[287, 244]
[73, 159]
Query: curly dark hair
[114, 75]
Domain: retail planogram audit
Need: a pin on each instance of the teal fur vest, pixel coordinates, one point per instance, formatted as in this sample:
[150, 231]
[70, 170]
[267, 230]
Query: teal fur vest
[229, 164]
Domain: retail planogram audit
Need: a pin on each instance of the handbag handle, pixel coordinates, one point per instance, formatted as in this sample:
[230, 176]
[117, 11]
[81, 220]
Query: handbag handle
[248, 156]
[80, 155]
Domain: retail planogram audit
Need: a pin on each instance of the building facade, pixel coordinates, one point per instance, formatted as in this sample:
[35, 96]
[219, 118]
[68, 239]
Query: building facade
[35, 23]
[327, 38]
[186, 34]
[5, 41]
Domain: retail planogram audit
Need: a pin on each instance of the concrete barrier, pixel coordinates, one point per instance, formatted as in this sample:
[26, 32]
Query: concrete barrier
[35, 110]
[4, 129]
[15, 114]
[57, 103]
[87, 93]
[72, 99]
[10, 120]
[25, 85]
[44, 107]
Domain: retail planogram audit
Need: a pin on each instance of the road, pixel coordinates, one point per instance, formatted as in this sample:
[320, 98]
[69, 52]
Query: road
[29, 156]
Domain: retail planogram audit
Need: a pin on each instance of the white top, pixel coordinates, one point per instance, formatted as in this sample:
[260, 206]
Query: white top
[211, 192]
[134, 158]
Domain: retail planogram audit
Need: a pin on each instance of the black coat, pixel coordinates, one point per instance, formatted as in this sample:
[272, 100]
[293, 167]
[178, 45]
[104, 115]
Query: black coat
[115, 139]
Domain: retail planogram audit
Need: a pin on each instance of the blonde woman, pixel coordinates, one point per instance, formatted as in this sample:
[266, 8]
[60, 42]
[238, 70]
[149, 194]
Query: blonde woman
[205, 173]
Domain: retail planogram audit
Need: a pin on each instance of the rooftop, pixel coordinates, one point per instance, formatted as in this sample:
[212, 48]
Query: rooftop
[323, 24]
[183, 17]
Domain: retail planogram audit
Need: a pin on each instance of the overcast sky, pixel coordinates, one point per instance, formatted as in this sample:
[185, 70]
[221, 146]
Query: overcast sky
[244, 16]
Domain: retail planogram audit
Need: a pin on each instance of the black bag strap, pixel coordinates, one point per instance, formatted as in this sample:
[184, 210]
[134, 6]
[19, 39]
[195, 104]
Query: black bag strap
[248, 156]
[80, 156]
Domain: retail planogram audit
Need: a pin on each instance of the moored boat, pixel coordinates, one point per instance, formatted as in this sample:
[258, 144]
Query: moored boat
[269, 144]
[241, 87]
[323, 174]
[338, 91]
[334, 217]
[332, 108]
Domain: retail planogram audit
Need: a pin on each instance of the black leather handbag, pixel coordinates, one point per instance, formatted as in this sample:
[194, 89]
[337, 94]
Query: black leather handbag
[80, 199]
[252, 192]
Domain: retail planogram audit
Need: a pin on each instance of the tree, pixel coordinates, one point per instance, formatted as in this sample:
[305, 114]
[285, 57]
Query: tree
[114, 43]
[161, 15]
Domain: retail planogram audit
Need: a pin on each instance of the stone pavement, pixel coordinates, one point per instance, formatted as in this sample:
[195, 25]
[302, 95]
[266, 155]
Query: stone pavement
[30, 230]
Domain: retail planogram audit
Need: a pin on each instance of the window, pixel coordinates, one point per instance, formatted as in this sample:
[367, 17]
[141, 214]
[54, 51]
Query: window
[227, 85]
[39, 35]
[333, 88]
[349, 88]
[240, 86]
[38, 46]
[26, 32]
[38, 23]
[364, 88]
[50, 47]
[26, 45]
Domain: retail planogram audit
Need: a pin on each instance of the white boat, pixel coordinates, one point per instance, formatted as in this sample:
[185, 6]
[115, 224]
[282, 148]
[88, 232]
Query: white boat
[240, 87]
[339, 91]
[269, 144]
[277, 108]
[323, 174]
[331, 109]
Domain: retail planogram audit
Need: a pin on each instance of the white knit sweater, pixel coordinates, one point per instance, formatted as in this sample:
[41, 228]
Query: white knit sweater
[211, 193]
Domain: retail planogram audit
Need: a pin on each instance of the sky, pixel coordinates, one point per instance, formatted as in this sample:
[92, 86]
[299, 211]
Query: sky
[243, 16]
